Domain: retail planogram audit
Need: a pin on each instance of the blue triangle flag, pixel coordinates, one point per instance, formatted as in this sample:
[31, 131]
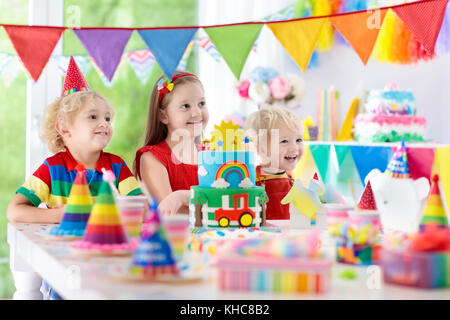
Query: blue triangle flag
[168, 46]
[367, 158]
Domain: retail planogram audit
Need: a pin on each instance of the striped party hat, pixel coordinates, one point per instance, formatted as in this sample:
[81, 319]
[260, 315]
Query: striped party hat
[105, 231]
[398, 166]
[74, 80]
[78, 209]
[434, 212]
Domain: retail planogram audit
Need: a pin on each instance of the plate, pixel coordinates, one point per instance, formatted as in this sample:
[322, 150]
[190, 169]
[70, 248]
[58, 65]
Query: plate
[45, 233]
[121, 273]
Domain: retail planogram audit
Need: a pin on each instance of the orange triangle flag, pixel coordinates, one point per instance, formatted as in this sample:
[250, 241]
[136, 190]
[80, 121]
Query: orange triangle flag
[299, 38]
[34, 45]
[361, 30]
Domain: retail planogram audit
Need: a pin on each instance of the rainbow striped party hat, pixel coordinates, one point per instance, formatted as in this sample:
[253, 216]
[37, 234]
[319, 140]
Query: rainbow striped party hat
[105, 231]
[78, 209]
[74, 80]
[398, 166]
[153, 256]
[434, 212]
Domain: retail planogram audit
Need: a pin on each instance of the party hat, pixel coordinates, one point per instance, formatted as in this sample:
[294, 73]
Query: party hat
[153, 256]
[398, 166]
[367, 201]
[434, 212]
[105, 231]
[74, 80]
[78, 209]
[316, 177]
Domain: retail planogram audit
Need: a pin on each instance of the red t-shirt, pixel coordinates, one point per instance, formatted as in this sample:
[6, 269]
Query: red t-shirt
[277, 186]
[181, 175]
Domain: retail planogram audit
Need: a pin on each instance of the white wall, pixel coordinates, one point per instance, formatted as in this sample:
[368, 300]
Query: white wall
[340, 67]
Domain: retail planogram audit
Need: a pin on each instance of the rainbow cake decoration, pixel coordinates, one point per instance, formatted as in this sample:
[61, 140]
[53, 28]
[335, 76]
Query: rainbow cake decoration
[279, 265]
[420, 259]
[78, 209]
[105, 232]
[389, 116]
[226, 195]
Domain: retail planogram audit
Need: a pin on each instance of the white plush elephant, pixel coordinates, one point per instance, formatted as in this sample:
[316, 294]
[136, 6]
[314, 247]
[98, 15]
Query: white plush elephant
[400, 201]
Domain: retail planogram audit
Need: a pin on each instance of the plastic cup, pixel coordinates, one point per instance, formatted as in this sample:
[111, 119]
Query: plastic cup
[364, 226]
[177, 230]
[337, 219]
[132, 211]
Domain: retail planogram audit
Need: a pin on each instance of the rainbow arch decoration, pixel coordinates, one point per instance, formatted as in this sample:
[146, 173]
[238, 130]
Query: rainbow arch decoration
[233, 172]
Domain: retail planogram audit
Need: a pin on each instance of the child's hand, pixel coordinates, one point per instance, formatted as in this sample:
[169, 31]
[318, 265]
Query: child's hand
[59, 212]
[174, 202]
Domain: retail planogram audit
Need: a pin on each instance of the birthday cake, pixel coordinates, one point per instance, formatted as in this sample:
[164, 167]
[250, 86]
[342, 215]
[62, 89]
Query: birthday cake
[226, 195]
[389, 116]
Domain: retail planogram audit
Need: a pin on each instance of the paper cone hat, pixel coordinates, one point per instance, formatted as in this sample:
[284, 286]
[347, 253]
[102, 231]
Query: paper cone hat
[398, 166]
[367, 201]
[153, 256]
[78, 209]
[74, 80]
[434, 212]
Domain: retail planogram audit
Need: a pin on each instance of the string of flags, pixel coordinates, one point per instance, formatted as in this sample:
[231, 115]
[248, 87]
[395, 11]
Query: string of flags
[368, 32]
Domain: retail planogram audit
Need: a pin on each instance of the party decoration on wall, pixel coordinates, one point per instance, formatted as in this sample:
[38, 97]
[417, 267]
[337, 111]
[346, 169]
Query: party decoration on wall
[327, 114]
[434, 212]
[168, 46]
[34, 45]
[234, 43]
[420, 162]
[367, 159]
[321, 154]
[442, 160]
[266, 87]
[398, 197]
[298, 38]
[105, 47]
[406, 35]
[141, 61]
[346, 132]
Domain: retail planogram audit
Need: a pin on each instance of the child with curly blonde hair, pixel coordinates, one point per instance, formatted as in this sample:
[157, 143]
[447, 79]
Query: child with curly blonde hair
[277, 134]
[77, 128]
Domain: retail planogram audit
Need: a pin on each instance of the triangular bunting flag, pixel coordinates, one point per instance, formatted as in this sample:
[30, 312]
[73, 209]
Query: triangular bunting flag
[105, 47]
[321, 155]
[168, 46]
[367, 158]
[360, 29]
[424, 19]
[234, 43]
[305, 167]
[341, 153]
[34, 45]
[420, 162]
[443, 159]
[141, 61]
[348, 180]
[298, 38]
[434, 212]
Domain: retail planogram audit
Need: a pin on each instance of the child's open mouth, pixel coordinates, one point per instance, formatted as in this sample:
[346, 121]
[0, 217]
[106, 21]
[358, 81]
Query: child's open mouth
[101, 133]
[195, 122]
[291, 157]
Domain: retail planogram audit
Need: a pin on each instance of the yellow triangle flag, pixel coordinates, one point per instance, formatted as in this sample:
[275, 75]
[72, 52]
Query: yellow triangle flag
[299, 38]
[306, 167]
[346, 130]
[443, 159]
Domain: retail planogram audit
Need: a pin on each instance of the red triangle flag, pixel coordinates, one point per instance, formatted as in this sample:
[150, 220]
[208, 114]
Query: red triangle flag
[424, 19]
[34, 45]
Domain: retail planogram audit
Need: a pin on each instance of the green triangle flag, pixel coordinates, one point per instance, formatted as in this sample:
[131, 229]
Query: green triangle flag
[341, 152]
[321, 154]
[234, 43]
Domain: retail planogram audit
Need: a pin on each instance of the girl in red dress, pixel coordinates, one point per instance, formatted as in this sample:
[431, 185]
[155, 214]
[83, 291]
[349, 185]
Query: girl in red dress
[279, 141]
[167, 163]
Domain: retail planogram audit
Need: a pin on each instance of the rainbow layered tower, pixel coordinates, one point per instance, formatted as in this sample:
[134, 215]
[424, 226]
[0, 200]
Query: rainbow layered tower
[105, 231]
[226, 195]
[153, 256]
[78, 209]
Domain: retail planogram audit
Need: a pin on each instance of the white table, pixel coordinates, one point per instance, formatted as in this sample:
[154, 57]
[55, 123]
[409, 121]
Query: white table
[34, 258]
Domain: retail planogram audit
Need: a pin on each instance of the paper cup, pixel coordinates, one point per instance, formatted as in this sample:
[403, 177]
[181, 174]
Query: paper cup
[177, 229]
[364, 226]
[337, 219]
[132, 211]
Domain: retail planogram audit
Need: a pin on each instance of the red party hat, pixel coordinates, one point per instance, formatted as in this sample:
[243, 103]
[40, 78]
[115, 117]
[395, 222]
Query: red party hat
[367, 201]
[316, 177]
[74, 80]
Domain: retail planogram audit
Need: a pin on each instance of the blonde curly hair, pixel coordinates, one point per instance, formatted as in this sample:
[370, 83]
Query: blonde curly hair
[64, 109]
[269, 118]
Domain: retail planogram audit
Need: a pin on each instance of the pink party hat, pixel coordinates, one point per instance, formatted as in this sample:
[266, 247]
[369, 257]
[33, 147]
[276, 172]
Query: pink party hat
[74, 80]
[398, 166]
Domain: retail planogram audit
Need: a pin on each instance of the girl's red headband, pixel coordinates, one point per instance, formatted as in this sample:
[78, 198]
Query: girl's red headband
[164, 86]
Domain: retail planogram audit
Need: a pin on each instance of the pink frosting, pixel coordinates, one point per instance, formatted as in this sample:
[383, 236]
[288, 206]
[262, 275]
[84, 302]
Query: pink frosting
[391, 119]
[106, 248]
